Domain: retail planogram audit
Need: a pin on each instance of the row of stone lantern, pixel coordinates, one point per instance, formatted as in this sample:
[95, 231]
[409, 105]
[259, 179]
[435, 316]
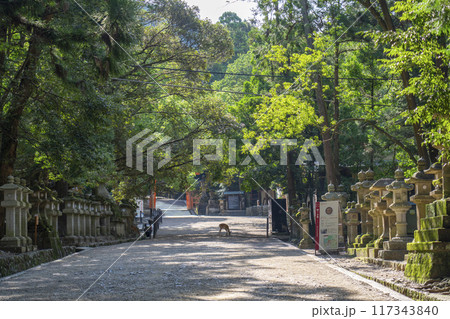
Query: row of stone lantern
[380, 217]
[76, 219]
[87, 220]
[46, 205]
[383, 206]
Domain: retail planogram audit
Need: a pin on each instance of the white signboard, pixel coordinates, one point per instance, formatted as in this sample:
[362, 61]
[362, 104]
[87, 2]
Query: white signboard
[233, 202]
[327, 221]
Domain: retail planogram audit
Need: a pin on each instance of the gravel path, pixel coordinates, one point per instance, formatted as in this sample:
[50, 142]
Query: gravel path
[190, 261]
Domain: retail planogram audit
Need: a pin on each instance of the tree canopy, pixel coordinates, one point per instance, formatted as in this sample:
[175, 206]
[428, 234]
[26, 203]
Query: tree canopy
[366, 81]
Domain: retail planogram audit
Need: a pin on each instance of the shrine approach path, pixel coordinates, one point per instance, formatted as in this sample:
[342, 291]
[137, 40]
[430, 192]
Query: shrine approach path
[189, 260]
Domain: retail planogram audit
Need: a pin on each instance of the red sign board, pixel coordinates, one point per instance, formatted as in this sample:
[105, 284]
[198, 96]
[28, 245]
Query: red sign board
[316, 239]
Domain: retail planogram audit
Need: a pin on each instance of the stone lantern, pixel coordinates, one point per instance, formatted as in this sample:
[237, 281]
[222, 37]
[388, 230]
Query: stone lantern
[446, 180]
[96, 218]
[436, 170]
[85, 205]
[389, 213]
[79, 219]
[422, 183]
[12, 240]
[102, 221]
[332, 195]
[400, 204]
[37, 200]
[56, 209]
[343, 196]
[395, 249]
[363, 206]
[20, 218]
[90, 231]
[108, 214]
[72, 221]
[306, 242]
[379, 206]
[352, 222]
[26, 213]
[367, 184]
[429, 253]
[127, 216]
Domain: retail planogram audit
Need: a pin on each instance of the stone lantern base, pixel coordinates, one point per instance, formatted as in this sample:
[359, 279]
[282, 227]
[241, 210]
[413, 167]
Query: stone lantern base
[429, 253]
[394, 250]
[71, 240]
[361, 246]
[12, 244]
[306, 243]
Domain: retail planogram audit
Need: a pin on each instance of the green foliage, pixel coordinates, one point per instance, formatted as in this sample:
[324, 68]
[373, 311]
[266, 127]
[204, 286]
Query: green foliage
[73, 92]
[422, 49]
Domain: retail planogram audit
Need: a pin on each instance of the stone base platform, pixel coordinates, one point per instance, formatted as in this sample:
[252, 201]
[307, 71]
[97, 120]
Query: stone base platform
[423, 266]
[394, 264]
[393, 250]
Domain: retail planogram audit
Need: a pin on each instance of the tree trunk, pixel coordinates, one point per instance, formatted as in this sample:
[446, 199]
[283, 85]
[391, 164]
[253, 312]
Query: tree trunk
[291, 181]
[336, 112]
[330, 162]
[292, 198]
[11, 119]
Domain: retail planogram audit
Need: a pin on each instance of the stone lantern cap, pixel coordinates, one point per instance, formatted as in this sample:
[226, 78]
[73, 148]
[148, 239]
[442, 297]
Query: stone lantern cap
[303, 208]
[304, 213]
[23, 182]
[368, 179]
[370, 175]
[435, 168]
[361, 176]
[398, 185]
[331, 195]
[17, 181]
[331, 188]
[381, 184]
[420, 175]
[10, 184]
[356, 186]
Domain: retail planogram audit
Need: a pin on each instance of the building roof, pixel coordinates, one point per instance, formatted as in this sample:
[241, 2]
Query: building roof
[233, 193]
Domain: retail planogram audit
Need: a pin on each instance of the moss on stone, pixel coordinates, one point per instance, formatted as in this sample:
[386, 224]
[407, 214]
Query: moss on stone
[435, 222]
[21, 262]
[423, 266]
[441, 207]
[366, 239]
[431, 210]
[378, 244]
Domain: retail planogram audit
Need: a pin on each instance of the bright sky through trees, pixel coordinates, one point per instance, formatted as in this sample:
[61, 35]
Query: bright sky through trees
[213, 9]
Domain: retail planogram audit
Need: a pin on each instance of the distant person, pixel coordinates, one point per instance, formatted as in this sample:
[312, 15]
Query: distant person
[158, 220]
[149, 228]
[159, 215]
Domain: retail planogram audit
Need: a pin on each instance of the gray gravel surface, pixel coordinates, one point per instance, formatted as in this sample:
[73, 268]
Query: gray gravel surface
[190, 261]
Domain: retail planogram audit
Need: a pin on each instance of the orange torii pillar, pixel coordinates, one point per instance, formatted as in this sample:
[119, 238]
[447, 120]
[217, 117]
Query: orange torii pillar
[152, 202]
[189, 203]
